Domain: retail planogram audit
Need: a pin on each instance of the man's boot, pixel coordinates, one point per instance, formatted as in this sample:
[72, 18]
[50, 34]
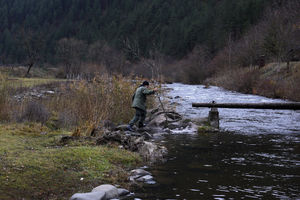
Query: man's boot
[141, 125]
[130, 128]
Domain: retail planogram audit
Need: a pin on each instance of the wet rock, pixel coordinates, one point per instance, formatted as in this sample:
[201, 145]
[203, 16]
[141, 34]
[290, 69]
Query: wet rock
[174, 125]
[152, 152]
[167, 130]
[139, 172]
[174, 116]
[159, 120]
[147, 135]
[162, 119]
[148, 179]
[141, 175]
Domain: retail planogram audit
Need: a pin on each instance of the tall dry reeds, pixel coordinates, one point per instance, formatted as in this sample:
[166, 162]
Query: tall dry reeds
[83, 103]
[4, 94]
[104, 98]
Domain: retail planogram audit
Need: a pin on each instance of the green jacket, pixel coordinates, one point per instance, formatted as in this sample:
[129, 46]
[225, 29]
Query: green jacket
[140, 97]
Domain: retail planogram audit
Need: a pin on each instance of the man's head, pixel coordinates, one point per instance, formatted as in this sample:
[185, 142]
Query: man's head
[145, 83]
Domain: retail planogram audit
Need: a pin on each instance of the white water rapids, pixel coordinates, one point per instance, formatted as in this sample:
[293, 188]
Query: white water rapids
[244, 121]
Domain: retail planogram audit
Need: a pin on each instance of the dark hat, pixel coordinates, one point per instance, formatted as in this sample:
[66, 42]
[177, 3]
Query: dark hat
[145, 83]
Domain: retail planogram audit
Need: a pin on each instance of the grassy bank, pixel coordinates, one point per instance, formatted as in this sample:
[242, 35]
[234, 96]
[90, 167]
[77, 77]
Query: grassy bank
[274, 80]
[35, 165]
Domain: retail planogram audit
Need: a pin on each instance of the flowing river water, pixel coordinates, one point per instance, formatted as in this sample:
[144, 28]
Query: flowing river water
[257, 158]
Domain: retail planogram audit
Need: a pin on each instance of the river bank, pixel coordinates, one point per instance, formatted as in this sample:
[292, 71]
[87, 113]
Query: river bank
[275, 80]
[36, 162]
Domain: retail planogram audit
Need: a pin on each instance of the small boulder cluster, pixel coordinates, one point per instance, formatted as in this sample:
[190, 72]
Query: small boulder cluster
[141, 176]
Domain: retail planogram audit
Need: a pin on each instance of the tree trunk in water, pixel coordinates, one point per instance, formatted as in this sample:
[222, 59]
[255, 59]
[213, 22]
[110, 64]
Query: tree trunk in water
[277, 106]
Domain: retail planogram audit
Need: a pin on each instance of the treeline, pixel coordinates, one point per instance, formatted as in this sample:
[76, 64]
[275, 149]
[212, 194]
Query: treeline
[170, 27]
[274, 38]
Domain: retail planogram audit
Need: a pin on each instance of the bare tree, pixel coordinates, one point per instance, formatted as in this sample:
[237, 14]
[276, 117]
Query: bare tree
[281, 30]
[32, 44]
[153, 62]
[103, 54]
[71, 53]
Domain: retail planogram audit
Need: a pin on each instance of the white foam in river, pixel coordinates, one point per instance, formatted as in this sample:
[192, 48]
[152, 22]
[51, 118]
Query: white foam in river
[246, 121]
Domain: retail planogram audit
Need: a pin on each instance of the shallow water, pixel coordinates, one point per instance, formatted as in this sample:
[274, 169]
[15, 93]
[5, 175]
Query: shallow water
[257, 159]
[243, 121]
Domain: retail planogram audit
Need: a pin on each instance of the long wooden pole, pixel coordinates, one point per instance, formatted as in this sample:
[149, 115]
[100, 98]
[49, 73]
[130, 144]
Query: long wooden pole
[277, 106]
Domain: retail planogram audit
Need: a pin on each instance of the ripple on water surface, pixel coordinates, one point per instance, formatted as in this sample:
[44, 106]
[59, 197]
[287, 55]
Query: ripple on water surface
[260, 162]
[245, 121]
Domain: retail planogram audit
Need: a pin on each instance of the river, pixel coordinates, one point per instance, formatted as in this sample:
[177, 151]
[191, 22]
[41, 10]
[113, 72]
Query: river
[257, 158]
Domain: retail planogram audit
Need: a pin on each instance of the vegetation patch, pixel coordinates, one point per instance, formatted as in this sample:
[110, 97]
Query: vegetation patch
[31, 82]
[35, 165]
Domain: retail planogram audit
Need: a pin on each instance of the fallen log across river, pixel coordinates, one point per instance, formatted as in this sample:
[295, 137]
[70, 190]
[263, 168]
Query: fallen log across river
[277, 106]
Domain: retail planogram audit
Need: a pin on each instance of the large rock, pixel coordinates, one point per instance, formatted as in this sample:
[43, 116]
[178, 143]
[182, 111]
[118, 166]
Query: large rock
[148, 179]
[109, 190]
[158, 120]
[102, 192]
[162, 119]
[89, 196]
[139, 172]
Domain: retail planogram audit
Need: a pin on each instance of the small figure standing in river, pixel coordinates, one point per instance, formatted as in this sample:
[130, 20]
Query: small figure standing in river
[139, 104]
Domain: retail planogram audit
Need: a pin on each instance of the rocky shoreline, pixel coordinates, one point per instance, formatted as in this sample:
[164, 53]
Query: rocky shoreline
[142, 140]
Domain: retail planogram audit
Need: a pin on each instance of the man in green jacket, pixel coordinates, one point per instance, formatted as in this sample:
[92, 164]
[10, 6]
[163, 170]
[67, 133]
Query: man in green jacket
[139, 103]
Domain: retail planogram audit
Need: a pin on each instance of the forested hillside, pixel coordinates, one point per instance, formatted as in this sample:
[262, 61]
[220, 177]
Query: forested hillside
[172, 27]
[193, 41]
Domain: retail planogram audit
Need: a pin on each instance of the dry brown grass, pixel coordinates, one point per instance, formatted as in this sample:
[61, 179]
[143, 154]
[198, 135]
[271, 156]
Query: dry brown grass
[104, 98]
[274, 80]
[86, 104]
[4, 93]
[78, 104]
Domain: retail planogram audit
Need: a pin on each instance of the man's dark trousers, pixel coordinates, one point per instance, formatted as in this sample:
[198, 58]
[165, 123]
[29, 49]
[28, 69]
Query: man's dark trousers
[139, 116]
